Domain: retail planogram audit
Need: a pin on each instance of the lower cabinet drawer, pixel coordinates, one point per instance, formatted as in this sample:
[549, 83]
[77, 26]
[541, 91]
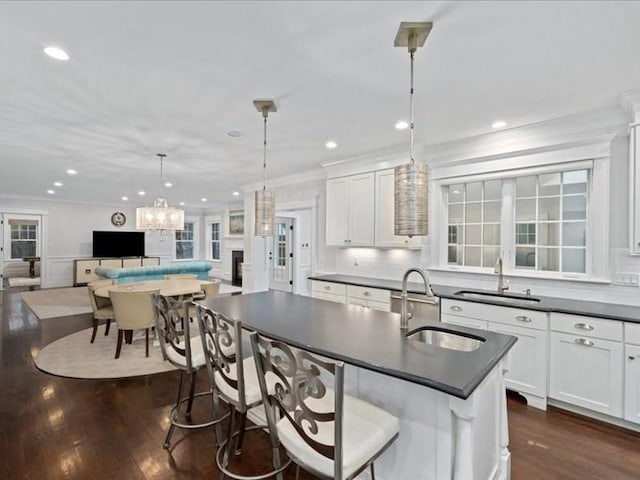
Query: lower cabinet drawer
[365, 293]
[383, 306]
[329, 296]
[583, 326]
[329, 287]
[463, 321]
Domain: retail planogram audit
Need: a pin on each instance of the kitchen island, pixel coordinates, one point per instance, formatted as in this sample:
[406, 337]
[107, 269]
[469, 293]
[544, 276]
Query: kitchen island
[451, 404]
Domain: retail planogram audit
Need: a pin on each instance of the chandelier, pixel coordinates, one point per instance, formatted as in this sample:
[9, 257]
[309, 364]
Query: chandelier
[265, 202]
[160, 216]
[411, 181]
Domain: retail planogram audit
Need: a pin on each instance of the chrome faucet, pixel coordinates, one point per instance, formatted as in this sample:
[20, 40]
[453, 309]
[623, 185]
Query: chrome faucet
[502, 285]
[404, 317]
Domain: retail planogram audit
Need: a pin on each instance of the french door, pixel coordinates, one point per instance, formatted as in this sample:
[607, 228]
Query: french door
[281, 256]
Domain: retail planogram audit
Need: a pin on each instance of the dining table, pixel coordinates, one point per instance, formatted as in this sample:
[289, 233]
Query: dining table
[168, 287]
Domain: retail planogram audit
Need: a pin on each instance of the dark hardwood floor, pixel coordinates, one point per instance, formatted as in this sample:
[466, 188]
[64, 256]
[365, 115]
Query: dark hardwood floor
[59, 428]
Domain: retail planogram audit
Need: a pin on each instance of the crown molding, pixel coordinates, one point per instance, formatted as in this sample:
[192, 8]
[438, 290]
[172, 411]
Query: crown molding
[308, 176]
[630, 101]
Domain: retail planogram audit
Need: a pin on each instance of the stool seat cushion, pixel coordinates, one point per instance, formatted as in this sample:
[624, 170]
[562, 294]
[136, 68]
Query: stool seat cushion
[197, 354]
[366, 430]
[252, 392]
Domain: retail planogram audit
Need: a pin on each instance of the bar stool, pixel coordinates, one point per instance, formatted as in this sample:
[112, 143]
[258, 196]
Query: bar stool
[185, 353]
[324, 431]
[235, 378]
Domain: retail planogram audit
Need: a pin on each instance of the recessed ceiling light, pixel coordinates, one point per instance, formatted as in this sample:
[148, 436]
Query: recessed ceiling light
[402, 125]
[235, 194]
[51, 192]
[57, 184]
[141, 193]
[331, 145]
[203, 199]
[71, 171]
[57, 53]
[168, 184]
[234, 133]
[125, 198]
[499, 124]
[182, 204]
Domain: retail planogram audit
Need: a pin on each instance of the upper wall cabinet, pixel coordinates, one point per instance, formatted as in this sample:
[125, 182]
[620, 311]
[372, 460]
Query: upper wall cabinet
[385, 214]
[350, 211]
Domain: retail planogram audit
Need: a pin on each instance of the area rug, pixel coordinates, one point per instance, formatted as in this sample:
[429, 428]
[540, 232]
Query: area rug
[73, 356]
[58, 302]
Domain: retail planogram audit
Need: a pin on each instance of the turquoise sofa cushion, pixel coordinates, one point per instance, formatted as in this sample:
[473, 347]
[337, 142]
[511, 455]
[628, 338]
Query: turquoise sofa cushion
[154, 272]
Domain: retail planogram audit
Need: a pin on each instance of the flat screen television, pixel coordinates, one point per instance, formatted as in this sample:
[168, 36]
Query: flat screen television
[118, 244]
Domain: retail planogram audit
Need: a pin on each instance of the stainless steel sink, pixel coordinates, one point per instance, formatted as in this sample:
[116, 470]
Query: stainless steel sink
[445, 339]
[497, 297]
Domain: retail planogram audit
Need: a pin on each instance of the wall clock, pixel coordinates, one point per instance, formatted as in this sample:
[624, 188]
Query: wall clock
[118, 219]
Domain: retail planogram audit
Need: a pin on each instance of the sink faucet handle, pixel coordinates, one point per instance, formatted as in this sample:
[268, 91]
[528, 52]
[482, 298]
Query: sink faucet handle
[527, 292]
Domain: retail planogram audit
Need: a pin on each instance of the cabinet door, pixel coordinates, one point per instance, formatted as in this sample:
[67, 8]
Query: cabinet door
[337, 214]
[586, 372]
[632, 383]
[361, 210]
[385, 214]
[527, 359]
[328, 296]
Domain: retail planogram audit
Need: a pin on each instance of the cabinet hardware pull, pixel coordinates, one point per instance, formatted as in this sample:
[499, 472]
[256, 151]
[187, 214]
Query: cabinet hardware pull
[631, 357]
[456, 308]
[366, 294]
[584, 341]
[523, 318]
[327, 287]
[583, 326]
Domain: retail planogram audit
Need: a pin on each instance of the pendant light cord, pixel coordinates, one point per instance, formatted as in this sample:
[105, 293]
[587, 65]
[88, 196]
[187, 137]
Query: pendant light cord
[411, 53]
[265, 112]
[161, 155]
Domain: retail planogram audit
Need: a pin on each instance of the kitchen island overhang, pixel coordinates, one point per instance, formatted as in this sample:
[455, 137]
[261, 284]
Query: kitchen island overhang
[460, 418]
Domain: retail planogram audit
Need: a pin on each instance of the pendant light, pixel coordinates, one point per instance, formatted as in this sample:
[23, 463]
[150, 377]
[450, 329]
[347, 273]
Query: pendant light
[265, 202]
[411, 181]
[160, 216]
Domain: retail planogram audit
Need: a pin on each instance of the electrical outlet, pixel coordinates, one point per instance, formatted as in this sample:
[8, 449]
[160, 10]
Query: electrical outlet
[626, 279]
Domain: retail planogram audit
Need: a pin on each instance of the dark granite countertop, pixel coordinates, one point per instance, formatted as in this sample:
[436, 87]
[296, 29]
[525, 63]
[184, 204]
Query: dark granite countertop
[366, 338]
[627, 313]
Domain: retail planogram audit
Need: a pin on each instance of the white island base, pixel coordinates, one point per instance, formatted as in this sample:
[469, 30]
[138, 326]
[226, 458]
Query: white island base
[442, 437]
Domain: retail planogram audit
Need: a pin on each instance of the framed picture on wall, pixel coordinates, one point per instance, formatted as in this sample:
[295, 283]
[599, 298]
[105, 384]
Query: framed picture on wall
[235, 223]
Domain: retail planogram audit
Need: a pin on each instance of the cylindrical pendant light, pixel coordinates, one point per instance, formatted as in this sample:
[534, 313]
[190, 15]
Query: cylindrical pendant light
[411, 181]
[265, 202]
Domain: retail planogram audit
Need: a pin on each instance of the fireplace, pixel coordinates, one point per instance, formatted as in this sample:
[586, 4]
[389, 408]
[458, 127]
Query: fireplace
[237, 256]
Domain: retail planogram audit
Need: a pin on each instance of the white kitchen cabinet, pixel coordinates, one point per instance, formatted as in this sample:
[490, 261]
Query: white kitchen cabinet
[632, 372]
[376, 298]
[586, 362]
[350, 211]
[334, 292]
[527, 371]
[385, 214]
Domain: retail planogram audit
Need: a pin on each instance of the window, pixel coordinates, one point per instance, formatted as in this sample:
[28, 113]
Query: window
[24, 238]
[215, 240]
[474, 223]
[538, 221]
[551, 222]
[184, 242]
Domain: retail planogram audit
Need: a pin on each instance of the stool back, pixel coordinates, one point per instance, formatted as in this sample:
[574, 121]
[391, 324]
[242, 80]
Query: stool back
[301, 395]
[222, 345]
[174, 339]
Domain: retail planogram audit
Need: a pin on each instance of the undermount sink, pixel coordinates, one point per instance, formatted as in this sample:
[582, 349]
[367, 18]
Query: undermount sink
[445, 339]
[504, 297]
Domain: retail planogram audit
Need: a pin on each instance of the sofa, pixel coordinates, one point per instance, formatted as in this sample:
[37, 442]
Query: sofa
[154, 272]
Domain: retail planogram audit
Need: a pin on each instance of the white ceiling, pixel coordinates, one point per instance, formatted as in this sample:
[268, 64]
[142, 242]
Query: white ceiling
[175, 77]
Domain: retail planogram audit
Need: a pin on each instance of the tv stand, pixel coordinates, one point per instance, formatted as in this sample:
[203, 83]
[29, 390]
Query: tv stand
[84, 268]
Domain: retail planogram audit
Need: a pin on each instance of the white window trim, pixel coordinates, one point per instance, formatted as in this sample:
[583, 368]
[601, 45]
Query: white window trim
[196, 241]
[208, 221]
[7, 234]
[597, 242]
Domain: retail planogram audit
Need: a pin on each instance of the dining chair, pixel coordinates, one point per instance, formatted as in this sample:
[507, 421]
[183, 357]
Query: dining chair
[133, 311]
[185, 353]
[236, 381]
[323, 430]
[208, 291]
[101, 307]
